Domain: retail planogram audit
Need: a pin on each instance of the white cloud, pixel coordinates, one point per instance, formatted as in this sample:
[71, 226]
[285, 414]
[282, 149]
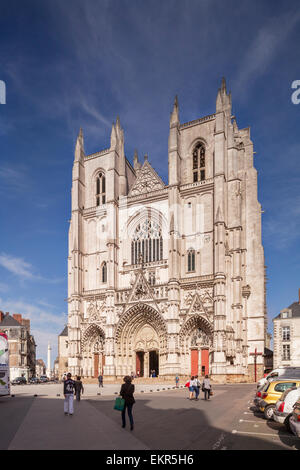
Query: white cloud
[17, 266]
[44, 325]
[264, 48]
[24, 270]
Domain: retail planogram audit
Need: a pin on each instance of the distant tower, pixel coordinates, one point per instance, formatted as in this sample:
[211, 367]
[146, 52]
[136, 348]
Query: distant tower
[49, 361]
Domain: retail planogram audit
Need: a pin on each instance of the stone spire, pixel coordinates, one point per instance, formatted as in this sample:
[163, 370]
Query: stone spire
[174, 120]
[135, 159]
[223, 102]
[79, 147]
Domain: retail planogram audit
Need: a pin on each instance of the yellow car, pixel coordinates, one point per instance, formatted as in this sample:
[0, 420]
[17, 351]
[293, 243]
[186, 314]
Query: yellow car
[272, 392]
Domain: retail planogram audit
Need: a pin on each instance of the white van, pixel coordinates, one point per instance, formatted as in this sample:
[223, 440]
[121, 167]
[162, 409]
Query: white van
[293, 372]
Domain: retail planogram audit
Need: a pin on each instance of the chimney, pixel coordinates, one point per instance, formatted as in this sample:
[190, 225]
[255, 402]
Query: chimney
[1, 316]
[26, 323]
[18, 317]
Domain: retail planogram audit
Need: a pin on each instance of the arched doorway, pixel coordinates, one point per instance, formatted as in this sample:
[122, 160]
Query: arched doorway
[141, 342]
[146, 346]
[196, 338]
[93, 359]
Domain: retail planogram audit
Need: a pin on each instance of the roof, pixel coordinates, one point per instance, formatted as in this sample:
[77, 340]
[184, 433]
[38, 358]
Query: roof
[64, 331]
[295, 307]
[8, 320]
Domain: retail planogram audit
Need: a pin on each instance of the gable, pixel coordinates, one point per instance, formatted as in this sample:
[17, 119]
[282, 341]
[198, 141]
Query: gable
[147, 181]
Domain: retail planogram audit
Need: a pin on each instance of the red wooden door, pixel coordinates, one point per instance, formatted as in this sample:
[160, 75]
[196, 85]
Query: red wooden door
[194, 362]
[103, 363]
[96, 365]
[204, 362]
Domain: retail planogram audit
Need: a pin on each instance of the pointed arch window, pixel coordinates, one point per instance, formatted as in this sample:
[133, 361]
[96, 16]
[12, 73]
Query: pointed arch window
[104, 272]
[199, 163]
[100, 189]
[191, 256]
[147, 243]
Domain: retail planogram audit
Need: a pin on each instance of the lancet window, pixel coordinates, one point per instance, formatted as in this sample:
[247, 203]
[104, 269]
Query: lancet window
[199, 163]
[191, 260]
[100, 189]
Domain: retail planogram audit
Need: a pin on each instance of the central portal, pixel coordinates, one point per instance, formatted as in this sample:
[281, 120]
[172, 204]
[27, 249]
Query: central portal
[153, 363]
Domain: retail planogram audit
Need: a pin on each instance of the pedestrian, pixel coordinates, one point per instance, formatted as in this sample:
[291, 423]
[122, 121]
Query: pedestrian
[176, 381]
[192, 387]
[197, 387]
[69, 390]
[206, 387]
[100, 380]
[126, 392]
[78, 387]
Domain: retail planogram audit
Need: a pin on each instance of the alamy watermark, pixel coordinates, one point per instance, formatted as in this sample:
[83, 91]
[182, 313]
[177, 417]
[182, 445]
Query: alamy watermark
[296, 94]
[2, 92]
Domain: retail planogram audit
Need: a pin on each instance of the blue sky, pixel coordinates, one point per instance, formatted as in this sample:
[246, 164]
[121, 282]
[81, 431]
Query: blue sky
[83, 62]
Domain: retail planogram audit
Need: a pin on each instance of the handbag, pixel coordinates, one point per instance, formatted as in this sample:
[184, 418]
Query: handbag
[119, 404]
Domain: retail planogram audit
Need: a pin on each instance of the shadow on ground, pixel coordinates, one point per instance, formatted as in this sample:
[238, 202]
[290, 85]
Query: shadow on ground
[162, 422]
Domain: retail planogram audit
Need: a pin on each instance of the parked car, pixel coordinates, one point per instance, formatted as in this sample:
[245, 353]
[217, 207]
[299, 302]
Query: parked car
[19, 381]
[272, 392]
[44, 379]
[280, 372]
[294, 421]
[284, 406]
[34, 380]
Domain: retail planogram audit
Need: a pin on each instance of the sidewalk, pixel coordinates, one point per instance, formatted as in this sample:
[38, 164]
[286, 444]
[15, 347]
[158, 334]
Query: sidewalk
[90, 390]
[46, 427]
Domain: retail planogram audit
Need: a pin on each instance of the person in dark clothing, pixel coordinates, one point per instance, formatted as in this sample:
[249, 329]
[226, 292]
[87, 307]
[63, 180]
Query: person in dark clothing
[126, 392]
[69, 391]
[206, 387]
[100, 380]
[78, 388]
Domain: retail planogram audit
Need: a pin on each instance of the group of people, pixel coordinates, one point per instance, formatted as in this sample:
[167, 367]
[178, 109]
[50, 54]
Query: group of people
[75, 388]
[194, 386]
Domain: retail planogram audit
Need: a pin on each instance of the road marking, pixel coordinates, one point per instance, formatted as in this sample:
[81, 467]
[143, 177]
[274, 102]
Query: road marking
[247, 421]
[264, 434]
[219, 442]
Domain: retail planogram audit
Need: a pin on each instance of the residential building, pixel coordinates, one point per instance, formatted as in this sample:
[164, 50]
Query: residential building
[287, 336]
[22, 347]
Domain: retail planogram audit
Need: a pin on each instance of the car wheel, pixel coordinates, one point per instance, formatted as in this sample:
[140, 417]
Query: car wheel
[287, 423]
[269, 411]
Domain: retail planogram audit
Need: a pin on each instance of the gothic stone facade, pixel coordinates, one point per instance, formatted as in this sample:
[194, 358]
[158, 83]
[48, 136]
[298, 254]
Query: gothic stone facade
[168, 277]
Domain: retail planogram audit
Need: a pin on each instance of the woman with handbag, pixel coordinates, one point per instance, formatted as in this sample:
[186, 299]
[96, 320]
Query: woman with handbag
[126, 392]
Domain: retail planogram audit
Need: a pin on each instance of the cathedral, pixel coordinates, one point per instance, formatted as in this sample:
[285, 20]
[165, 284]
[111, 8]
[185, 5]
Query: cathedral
[168, 278]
